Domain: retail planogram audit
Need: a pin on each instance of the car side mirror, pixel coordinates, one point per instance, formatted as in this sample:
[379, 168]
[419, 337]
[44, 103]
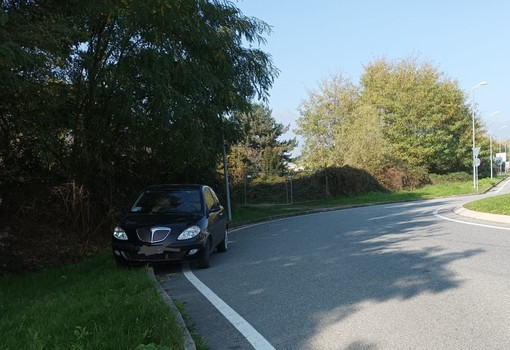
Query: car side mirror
[215, 208]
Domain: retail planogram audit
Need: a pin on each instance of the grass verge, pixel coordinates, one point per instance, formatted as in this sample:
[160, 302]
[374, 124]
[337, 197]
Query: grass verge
[494, 205]
[89, 305]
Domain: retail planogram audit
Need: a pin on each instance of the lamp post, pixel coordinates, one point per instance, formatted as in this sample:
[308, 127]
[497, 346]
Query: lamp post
[504, 126]
[490, 136]
[225, 172]
[501, 165]
[473, 117]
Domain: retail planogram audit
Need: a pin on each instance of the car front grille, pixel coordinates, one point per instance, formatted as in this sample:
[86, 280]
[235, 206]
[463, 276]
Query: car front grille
[153, 234]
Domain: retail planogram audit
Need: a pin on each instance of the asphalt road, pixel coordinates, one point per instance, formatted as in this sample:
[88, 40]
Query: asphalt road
[397, 276]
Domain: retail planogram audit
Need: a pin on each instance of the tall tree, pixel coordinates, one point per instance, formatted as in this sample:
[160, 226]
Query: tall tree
[426, 120]
[403, 113]
[365, 145]
[324, 121]
[261, 148]
[129, 88]
[34, 44]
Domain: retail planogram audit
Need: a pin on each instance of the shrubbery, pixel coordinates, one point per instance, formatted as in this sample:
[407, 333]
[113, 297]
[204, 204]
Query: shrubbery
[449, 178]
[305, 186]
[403, 176]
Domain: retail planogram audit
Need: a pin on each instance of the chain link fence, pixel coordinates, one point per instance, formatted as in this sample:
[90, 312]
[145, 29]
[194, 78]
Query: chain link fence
[288, 187]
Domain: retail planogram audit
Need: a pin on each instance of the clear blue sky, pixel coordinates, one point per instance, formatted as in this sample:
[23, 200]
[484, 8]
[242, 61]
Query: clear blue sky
[468, 40]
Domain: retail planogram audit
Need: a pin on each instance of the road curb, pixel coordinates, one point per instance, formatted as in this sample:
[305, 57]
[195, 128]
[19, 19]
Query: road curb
[502, 219]
[189, 343]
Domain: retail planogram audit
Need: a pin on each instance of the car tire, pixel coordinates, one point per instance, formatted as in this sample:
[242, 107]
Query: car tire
[223, 246]
[204, 261]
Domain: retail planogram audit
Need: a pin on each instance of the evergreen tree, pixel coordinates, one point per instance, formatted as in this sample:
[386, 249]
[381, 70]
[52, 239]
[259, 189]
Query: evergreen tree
[261, 148]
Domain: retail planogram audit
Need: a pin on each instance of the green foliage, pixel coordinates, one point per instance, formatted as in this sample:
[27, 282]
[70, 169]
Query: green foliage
[305, 186]
[365, 146]
[401, 176]
[425, 117]
[101, 90]
[347, 181]
[404, 119]
[324, 122]
[260, 148]
[450, 178]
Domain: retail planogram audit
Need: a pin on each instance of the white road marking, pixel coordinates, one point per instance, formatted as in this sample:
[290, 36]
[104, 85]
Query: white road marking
[436, 213]
[247, 330]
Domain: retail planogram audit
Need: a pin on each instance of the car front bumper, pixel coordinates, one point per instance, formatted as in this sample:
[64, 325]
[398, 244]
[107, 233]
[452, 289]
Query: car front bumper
[131, 253]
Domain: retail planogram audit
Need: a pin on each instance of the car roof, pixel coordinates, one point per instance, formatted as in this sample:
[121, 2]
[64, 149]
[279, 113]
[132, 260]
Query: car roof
[167, 187]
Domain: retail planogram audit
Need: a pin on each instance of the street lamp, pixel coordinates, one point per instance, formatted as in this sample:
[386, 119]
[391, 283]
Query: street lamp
[504, 126]
[490, 136]
[501, 165]
[473, 117]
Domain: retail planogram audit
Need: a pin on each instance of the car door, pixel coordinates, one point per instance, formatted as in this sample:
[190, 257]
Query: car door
[216, 216]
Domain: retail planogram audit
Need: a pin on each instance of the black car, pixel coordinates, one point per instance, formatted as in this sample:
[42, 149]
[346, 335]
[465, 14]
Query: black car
[171, 223]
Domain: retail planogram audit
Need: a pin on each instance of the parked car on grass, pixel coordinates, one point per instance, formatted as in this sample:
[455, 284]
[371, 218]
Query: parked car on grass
[171, 223]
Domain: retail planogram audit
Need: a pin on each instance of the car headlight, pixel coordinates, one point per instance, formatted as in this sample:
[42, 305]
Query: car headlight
[119, 233]
[188, 233]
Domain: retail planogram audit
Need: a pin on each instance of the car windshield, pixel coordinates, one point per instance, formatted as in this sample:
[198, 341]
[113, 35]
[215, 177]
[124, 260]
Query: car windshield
[171, 201]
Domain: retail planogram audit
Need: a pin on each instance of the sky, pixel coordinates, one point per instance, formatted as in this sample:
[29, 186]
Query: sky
[467, 40]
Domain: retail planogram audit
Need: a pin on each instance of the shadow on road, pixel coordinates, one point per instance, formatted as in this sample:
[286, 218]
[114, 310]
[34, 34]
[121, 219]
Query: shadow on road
[321, 269]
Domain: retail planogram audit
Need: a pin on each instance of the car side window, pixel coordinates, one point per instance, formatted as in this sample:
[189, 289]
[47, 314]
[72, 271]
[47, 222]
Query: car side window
[209, 199]
[216, 200]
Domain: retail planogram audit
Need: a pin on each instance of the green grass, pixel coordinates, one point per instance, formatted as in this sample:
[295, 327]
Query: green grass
[89, 305]
[494, 205]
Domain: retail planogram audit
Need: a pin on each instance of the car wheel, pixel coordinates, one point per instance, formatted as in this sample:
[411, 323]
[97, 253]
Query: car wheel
[204, 260]
[223, 246]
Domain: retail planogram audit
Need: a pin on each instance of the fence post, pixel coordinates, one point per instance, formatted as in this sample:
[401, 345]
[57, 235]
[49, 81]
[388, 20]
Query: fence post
[327, 184]
[291, 191]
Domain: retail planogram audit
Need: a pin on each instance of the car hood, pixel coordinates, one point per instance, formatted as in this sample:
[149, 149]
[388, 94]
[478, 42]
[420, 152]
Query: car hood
[177, 222]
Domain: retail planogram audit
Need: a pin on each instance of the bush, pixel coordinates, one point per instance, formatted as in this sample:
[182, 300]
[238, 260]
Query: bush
[346, 181]
[48, 225]
[402, 177]
[449, 178]
[305, 186]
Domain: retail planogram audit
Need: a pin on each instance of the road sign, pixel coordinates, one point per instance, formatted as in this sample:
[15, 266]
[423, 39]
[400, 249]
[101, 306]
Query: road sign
[476, 151]
[477, 161]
